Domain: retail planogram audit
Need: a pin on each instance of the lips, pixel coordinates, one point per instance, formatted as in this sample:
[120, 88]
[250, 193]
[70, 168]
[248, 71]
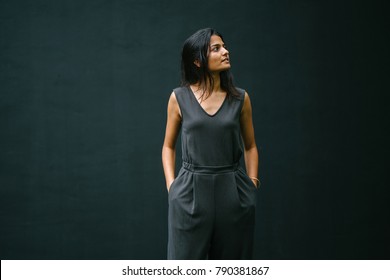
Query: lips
[225, 60]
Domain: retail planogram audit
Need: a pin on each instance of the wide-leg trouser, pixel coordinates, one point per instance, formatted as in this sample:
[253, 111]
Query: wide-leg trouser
[211, 213]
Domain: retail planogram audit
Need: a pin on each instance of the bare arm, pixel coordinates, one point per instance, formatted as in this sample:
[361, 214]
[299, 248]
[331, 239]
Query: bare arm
[171, 132]
[248, 135]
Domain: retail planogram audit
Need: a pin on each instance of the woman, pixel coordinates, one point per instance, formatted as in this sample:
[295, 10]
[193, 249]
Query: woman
[212, 200]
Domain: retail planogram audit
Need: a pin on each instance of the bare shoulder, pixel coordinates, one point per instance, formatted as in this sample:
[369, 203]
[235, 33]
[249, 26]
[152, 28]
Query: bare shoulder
[173, 105]
[247, 104]
[246, 96]
[172, 98]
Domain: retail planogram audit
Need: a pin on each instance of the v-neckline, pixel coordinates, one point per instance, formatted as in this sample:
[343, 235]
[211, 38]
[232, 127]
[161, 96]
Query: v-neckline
[204, 111]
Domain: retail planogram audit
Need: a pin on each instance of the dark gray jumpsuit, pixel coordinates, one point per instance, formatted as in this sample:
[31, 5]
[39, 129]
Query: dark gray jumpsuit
[212, 200]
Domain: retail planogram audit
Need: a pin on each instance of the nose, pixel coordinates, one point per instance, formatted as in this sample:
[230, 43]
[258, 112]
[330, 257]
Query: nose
[225, 51]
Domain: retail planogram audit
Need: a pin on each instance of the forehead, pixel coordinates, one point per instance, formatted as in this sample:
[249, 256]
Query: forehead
[216, 40]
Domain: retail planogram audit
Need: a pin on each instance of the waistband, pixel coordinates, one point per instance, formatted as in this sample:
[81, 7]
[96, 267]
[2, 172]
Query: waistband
[210, 169]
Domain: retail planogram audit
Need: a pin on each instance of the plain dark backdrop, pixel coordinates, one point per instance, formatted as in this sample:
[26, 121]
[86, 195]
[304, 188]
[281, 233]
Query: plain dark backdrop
[83, 92]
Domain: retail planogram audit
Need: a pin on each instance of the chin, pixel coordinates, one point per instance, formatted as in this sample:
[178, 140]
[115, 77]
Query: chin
[225, 67]
[220, 69]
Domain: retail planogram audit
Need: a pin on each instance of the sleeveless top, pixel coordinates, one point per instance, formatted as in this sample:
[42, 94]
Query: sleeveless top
[210, 140]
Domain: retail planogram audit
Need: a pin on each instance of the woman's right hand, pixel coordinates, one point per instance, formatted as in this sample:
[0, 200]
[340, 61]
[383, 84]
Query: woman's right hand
[170, 184]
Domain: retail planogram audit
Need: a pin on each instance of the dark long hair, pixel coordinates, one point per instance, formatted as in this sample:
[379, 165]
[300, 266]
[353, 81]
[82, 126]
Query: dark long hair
[196, 48]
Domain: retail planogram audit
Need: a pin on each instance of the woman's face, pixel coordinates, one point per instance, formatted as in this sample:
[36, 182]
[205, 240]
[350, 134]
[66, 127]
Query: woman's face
[218, 56]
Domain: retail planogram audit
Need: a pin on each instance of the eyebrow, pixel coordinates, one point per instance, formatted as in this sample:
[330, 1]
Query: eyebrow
[217, 45]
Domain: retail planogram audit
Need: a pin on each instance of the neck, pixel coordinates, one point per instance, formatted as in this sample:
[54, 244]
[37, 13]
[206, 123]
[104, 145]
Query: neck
[217, 83]
[206, 88]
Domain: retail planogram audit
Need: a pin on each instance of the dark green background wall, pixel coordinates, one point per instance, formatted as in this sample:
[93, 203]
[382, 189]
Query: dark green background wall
[83, 92]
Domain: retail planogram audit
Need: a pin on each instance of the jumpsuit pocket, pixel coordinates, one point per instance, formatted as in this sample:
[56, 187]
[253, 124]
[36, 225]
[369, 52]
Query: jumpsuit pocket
[181, 195]
[175, 181]
[245, 188]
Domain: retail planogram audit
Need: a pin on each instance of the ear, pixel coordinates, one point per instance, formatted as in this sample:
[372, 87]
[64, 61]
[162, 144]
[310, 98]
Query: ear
[197, 63]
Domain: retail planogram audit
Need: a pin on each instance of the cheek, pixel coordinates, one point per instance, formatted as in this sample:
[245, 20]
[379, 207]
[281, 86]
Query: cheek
[212, 59]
